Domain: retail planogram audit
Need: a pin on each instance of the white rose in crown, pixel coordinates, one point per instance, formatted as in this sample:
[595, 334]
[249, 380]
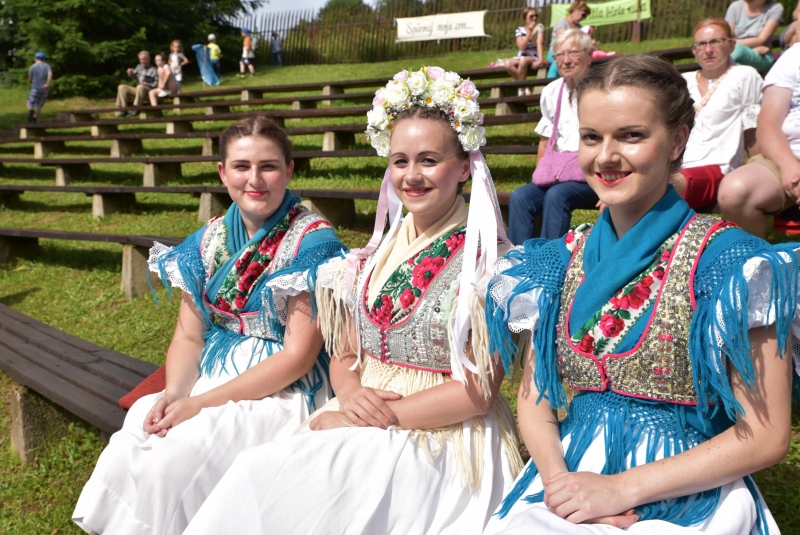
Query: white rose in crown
[465, 110]
[417, 83]
[440, 93]
[377, 118]
[396, 94]
[453, 78]
[472, 138]
[381, 142]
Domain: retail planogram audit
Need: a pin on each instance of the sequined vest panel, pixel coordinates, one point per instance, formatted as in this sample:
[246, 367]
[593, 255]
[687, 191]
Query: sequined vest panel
[420, 339]
[248, 323]
[658, 367]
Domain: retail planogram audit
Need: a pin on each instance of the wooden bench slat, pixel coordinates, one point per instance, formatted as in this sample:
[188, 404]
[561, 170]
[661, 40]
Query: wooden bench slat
[89, 382]
[86, 360]
[142, 241]
[106, 416]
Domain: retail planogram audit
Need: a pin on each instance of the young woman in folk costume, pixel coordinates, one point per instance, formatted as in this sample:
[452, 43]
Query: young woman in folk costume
[672, 329]
[246, 363]
[418, 439]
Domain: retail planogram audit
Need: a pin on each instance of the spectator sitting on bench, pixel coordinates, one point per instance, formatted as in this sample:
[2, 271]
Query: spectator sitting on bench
[577, 12]
[770, 182]
[753, 23]
[556, 201]
[167, 84]
[246, 363]
[146, 76]
[529, 39]
[727, 101]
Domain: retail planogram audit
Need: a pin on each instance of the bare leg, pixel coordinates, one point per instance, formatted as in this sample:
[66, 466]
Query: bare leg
[153, 95]
[512, 67]
[747, 194]
[524, 63]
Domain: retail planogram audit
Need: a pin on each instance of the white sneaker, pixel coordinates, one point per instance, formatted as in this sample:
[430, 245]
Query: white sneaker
[520, 92]
[528, 91]
[163, 94]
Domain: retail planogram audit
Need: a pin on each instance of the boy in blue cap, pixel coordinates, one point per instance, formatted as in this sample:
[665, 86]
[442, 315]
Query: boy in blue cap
[39, 75]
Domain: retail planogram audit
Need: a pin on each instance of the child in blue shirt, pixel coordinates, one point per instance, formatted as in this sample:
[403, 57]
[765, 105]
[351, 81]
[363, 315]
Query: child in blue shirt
[39, 75]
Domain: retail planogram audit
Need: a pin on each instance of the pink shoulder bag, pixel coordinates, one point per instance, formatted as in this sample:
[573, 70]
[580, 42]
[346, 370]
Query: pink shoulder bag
[554, 166]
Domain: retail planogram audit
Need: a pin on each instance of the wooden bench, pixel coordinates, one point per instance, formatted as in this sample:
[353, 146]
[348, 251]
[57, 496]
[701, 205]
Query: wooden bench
[24, 243]
[84, 379]
[161, 169]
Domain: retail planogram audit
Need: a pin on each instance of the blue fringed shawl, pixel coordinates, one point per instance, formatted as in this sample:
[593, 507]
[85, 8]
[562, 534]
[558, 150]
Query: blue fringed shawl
[669, 429]
[314, 248]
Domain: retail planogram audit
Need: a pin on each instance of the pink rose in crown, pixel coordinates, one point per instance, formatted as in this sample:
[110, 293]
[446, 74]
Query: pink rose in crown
[467, 90]
[423, 274]
[455, 241]
[434, 73]
[240, 301]
[244, 261]
[383, 314]
[223, 305]
[586, 344]
[658, 273]
[611, 326]
[407, 298]
[378, 99]
[401, 77]
[479, 119]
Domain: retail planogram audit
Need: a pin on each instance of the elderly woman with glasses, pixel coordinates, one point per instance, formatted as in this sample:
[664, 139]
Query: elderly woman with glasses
[577, 12]
[556, 202]
[530, 39]
[727, 101]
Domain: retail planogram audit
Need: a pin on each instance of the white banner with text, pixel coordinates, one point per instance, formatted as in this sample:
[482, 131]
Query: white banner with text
[435, 27]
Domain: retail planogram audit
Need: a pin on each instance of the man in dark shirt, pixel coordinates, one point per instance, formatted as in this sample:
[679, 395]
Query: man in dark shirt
[146, 76]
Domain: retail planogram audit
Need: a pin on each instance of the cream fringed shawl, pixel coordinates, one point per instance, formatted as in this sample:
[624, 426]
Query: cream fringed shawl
[336, 304]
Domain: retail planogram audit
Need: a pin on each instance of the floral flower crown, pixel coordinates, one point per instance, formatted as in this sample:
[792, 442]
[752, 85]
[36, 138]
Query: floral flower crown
[430, 87]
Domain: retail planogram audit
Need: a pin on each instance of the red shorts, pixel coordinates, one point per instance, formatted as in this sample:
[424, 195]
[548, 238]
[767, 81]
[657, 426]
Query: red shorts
[702, 185]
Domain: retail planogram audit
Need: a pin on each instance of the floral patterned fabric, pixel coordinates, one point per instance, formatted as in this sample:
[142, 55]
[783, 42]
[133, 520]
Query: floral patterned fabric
[252, 264]
[409, 281]
[606, 329]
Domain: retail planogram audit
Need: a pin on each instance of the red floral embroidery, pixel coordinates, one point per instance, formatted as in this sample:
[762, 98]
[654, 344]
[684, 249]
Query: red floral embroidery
[586, 344]
[254, 271]
[611, 325]
[223, 305]
[423, 274]
[269, 246]
[244, 261]
[570, 237]
[383, 314]
[455, 241]
[240, 301]
[658, 273]
[407, 298]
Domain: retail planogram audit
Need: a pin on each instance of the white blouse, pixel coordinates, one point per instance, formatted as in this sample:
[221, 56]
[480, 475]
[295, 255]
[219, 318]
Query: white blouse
[718, 134]
[568, 134]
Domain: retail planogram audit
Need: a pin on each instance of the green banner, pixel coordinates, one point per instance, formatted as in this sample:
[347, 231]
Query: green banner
[604, 13]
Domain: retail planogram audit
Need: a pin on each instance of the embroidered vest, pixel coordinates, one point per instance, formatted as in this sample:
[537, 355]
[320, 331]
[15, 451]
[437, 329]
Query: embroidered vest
[248, 323]
[658, 367]
[420, 339]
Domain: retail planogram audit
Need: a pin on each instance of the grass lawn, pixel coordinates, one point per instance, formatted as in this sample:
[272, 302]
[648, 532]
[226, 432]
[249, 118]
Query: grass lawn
[75, 286]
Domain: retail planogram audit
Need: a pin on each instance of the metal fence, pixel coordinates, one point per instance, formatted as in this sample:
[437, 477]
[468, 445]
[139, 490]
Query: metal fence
[366, 35]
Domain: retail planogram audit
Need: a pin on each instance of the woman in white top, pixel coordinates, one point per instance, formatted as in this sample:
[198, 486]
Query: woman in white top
[555, 203]
[727, 101]
[530, 42]
[770, 182]
[167, 84]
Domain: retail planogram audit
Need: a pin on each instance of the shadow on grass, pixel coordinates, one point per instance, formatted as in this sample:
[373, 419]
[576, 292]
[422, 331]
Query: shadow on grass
[19, 172]
[13, 299]
[61, 254]
[24, 205]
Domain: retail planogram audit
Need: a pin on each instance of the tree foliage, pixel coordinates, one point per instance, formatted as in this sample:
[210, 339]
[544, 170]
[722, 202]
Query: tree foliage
[90, 43]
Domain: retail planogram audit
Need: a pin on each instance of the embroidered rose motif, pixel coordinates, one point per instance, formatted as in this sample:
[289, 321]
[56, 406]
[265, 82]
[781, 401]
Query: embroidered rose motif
[586, 345]
[244, 261]
[223, 305]
[383, 314]
[250, 276]
[666, 254]
[611, 325]
[268, 246]
[423, 274]
[455, 241]
[658, 273]
[240, 301]
[570, 237]
[407, 298]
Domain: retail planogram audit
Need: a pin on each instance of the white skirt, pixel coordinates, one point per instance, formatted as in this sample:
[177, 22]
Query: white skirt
[735, 514]
[354, 480]
[146, 484]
